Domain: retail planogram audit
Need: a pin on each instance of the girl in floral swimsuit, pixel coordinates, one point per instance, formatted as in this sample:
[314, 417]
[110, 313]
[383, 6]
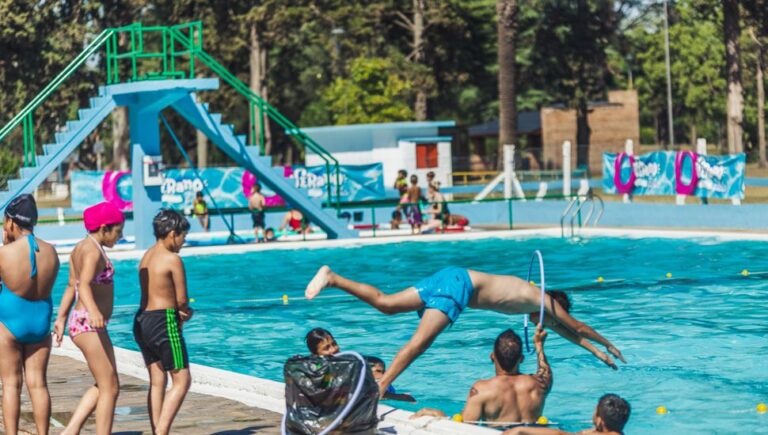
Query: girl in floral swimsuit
[91, 291]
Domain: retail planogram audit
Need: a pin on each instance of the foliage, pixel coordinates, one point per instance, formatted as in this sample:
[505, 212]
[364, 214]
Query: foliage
[375, 91]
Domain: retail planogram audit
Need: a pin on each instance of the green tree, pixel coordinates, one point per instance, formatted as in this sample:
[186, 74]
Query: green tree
[376, 91]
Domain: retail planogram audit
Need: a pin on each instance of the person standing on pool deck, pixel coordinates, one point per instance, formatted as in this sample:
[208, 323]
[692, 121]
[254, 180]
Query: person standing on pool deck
[610, 417]
[440, 298]
[509, 396]
[200, 209]
[256, 206]
[28, 268]
[414, 210]
[158, 323]
[91, 290]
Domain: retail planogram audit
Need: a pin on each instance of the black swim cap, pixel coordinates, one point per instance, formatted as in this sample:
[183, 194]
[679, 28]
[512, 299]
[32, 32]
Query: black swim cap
[23, 211]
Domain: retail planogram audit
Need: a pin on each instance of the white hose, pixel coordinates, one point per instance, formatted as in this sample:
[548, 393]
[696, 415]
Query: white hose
[353, 399]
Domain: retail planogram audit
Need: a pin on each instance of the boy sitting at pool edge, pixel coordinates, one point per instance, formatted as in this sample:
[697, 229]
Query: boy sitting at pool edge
[158, 323]
[440, 299]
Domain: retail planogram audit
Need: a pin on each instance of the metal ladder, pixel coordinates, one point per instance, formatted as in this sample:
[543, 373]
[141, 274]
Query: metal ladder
[575, 213]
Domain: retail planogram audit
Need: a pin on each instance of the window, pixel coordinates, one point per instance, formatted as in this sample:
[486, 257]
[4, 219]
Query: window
[426, 155]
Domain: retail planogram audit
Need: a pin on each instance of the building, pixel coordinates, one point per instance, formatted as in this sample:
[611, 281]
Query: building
[417, 147]
[542, 133]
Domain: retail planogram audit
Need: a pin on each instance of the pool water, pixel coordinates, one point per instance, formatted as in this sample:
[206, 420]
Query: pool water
[695, 343]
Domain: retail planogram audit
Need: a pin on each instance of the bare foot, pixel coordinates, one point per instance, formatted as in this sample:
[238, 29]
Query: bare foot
[319, 282]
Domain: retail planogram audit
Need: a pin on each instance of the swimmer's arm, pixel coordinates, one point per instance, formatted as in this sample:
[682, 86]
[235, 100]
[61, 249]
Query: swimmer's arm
[179, 277]
[583, 342]
[554, 309]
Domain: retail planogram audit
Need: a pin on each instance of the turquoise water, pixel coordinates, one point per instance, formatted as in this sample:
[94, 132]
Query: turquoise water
[695, 343]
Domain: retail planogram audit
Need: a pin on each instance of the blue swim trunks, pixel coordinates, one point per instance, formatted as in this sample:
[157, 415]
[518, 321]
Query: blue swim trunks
[448, 291]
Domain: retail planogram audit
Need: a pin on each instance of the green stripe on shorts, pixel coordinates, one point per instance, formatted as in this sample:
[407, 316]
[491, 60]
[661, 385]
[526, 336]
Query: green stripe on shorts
[173, 336]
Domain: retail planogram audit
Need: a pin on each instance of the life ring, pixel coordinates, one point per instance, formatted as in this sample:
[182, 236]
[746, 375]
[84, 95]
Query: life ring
[680, 187]
[630, 184]
[249, 180]
[109, 189]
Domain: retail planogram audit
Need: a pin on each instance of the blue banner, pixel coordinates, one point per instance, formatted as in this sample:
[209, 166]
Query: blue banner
[226, 185]
[720, 176]
[674, 172]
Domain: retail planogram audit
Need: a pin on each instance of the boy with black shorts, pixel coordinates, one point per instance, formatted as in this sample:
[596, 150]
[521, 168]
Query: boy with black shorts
[157, 326]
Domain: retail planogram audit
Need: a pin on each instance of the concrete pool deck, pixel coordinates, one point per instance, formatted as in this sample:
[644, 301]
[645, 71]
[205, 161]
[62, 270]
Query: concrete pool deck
[68, 379]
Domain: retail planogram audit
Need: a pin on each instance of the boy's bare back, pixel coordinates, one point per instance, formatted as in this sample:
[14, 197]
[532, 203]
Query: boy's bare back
[511, 398]
[162, 277]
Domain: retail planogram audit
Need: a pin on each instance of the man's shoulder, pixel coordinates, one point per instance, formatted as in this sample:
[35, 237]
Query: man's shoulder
[520, 382]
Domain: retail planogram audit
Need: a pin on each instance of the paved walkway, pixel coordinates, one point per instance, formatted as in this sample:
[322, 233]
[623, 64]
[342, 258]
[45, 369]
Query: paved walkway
[200, 414]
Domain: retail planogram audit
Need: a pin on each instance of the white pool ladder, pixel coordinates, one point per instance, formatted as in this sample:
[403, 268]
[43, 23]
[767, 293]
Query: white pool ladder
[574, 208]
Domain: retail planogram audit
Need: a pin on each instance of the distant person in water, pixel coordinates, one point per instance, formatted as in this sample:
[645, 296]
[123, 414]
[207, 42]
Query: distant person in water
[378, 368]
[509, 396]
[200, 209]
[610, 417]
[397, 220]
[440, 298]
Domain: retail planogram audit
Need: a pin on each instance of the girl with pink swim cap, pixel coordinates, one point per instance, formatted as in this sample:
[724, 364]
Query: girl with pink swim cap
[91, 291]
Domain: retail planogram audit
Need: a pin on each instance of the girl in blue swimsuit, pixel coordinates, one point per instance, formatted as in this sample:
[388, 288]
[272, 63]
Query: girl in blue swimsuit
[25, 313]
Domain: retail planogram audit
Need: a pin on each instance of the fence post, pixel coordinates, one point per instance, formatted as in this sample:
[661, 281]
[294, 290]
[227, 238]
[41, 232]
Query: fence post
[629, 148]
[566, 168]
[373, 221]
[509, 169]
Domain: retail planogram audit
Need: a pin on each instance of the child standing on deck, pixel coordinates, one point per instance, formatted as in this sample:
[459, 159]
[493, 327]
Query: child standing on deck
[157, 326]
[200, 209]
[414, 211]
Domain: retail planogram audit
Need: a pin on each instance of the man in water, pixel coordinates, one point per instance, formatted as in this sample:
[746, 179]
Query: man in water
[610, 417]
[440, 299]
[508, 396]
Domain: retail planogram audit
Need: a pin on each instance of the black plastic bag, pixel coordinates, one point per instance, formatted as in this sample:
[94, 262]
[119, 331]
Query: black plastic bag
[318, 390]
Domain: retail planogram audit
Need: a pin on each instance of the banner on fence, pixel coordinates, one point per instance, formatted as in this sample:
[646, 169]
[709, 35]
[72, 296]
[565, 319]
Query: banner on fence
[227, 186]
[674, 172]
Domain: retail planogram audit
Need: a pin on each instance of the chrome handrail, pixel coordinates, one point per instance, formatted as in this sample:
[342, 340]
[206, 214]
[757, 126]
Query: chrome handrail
[565, 213]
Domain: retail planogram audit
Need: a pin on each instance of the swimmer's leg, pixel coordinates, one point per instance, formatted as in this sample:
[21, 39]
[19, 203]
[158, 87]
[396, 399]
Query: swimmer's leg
[432, 323]
[401, 302]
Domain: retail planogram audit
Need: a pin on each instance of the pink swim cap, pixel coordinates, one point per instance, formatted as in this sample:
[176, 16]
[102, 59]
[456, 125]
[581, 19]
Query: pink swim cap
[104, 213]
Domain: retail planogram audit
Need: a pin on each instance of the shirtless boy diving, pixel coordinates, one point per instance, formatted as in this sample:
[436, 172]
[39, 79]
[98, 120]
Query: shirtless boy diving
[440, 298]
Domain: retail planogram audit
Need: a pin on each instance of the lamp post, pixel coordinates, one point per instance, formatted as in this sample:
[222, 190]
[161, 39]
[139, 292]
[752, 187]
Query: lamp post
[335, 34]
[669, 76]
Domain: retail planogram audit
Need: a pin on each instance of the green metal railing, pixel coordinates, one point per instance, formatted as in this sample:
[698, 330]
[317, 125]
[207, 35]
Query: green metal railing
[136, 52]
[25, 116]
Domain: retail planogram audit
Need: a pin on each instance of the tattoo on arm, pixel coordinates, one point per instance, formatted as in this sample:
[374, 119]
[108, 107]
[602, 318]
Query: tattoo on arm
[544, 373]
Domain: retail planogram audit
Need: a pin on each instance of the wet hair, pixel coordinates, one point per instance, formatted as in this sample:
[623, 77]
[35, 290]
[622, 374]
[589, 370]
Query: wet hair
[107, 228]
[430, 174]
[374, 360]
[508, 349]
[256, 187]
[199, 194]
[414, 178]
[561, 298]
[169, 220]
[614, 411]
[397, 215]
[315, 337]
[402, 172]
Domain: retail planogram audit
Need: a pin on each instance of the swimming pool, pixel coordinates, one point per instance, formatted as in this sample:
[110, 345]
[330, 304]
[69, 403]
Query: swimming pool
[695, 343]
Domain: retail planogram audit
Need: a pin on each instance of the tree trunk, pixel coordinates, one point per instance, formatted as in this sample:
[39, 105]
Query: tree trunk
[121, 140]
[202, 149]
[735, 102]
[420, 107]
[583, 132]
[506, 30]
[258, 72]
[694, 133]
[762, 162]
